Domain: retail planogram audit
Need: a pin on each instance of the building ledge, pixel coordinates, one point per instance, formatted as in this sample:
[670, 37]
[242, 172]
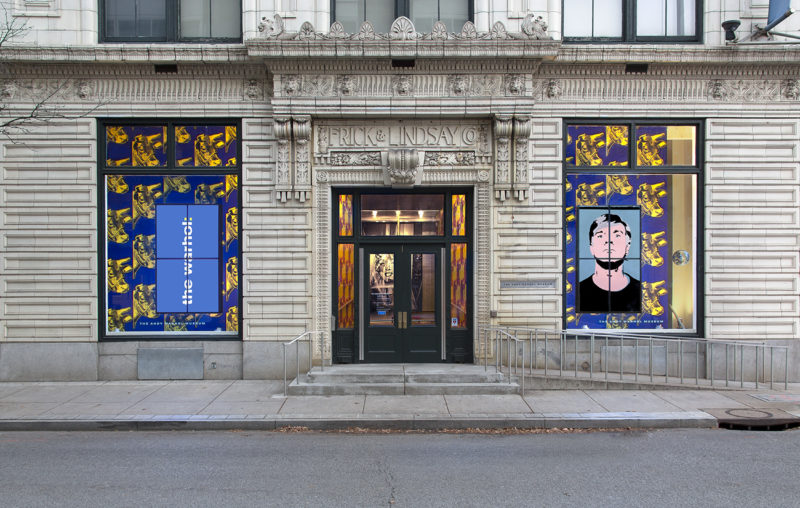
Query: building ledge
[671, 53]
[129, 53]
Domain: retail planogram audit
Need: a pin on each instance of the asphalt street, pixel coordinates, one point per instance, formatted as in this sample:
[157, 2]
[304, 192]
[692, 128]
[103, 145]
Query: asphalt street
[240, 468]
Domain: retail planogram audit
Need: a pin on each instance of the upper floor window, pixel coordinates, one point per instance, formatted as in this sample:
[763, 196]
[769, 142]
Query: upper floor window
[632, 20]
[171, 20]
[381, 13]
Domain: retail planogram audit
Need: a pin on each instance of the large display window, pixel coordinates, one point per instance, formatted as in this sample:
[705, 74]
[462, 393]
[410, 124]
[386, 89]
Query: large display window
[171, 251]
[631, 228]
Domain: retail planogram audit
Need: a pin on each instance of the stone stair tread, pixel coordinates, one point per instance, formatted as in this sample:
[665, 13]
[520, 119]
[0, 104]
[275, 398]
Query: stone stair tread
[461, 388]
[346, 388]
[399, 379]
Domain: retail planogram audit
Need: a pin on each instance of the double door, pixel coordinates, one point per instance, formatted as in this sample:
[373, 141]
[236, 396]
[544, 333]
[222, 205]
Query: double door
[401, 302]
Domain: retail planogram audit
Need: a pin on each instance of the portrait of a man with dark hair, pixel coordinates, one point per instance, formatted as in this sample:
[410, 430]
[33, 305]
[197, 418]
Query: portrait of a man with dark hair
[609, 288]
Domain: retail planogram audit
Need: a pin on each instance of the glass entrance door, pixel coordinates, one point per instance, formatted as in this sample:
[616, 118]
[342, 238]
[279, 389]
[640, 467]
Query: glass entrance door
[402, 303]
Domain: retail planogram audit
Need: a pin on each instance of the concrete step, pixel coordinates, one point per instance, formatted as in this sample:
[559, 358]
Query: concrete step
[403, 389]
[461, 388]
[346, 388]
[477, 377]
[326, 377]
[315, 377]
[399, 379]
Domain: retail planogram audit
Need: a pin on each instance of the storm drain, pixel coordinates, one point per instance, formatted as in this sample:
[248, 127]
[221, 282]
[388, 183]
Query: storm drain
[754, 419]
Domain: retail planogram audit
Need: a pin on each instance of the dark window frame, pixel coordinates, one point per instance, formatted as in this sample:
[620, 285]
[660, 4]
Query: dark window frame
[344, 340]
[634, 169]
[403, 8]
[629, 35]
[172, 19]
[104, 170]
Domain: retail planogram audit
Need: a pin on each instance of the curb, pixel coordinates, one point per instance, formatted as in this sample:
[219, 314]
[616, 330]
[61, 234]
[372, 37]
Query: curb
[691, 420]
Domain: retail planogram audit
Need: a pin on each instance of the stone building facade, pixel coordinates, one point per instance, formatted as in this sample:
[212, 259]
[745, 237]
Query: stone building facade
[461, 166]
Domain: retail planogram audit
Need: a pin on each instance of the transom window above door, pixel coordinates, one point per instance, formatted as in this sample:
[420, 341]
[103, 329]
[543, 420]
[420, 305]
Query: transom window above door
[381, 13]
[402, 214]
[632, 20]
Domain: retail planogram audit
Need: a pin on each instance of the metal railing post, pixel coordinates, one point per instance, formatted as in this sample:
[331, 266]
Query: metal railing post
[576, 356]
[786, 368]
[680, 358]
[535, 349]
[650, 358]
[621, 343]
[666, 361]
[496, 351]
[284, 370]
[696, 363]
[530, 344]
[710, 350]
[771, 359]
[523, 368]
[726, 364]
[591, 356]
[757, 366]
[741, 366]
[636, 358]
[545, 354]
[485, 348]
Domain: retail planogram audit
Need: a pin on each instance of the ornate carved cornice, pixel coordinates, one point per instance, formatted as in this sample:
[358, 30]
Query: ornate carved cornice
[677, 90]
[677, 54]
[430, 85]
[403, 41]
[128, 53]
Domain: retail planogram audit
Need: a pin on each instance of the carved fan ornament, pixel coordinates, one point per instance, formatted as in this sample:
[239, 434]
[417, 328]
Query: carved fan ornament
[439, 31]
[402, 29]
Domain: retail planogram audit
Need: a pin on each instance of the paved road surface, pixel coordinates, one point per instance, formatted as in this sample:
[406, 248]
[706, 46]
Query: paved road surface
[657, 468]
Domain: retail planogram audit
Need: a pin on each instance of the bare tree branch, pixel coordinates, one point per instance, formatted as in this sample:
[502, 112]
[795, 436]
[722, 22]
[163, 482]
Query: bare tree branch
[11, 27]
[45, 106]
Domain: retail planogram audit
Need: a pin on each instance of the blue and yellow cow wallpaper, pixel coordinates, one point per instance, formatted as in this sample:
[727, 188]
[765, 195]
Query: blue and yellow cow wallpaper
[640, 201]
[617, 230]
[195, 218]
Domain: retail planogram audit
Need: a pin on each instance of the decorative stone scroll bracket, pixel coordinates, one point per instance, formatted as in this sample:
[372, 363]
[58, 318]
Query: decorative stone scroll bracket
[511, 166]
[522, 135]
[403, 168]
[293, 167]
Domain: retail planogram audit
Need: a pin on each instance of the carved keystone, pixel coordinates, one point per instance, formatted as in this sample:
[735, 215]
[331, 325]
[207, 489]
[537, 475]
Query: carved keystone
[403, 169]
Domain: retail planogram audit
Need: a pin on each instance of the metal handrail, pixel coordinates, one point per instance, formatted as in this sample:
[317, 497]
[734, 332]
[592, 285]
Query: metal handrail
[760, 356]
[303, 337]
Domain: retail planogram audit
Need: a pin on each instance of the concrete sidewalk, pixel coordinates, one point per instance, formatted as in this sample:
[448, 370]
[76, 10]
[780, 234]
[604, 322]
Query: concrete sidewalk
[211, 405]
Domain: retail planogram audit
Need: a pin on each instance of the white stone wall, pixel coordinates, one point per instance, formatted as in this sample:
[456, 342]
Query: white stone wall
[277, 246]
[54, 22]
[48, 216]
[49, 194]
[528, 239]
[752, 228]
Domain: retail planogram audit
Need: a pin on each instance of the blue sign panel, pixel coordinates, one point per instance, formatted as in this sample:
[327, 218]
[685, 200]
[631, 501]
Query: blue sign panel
[187, 259]
[777, 8]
